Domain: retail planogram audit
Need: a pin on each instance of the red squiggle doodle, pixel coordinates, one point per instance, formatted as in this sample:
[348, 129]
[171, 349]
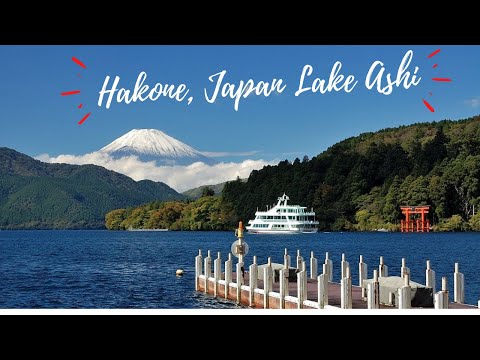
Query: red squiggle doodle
[435, 66]
[80, 106]
[74, 92]
[84, 118]
[429, 107]
[78, 62]
[433, 53]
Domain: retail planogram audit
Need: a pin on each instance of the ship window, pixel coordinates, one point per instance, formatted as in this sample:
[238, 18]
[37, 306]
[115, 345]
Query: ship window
[284, 218]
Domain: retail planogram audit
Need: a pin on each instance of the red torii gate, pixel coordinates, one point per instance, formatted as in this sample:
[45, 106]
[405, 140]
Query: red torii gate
[412, 225]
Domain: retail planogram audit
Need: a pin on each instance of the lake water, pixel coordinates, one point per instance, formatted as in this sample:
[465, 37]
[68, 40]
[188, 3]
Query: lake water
[106, 269]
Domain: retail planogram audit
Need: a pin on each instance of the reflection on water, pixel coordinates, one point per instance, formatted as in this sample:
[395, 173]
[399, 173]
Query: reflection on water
[102, 269]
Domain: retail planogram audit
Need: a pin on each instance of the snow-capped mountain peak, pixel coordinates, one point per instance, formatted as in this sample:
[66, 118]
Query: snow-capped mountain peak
[152, 144]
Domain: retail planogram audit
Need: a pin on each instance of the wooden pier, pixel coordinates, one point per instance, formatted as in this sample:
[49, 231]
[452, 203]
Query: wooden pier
[282, 286]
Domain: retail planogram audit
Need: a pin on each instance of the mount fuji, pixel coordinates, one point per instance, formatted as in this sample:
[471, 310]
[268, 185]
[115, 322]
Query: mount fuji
[151, 144]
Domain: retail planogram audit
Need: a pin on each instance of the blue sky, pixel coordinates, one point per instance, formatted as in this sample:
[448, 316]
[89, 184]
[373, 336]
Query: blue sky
[36, 119]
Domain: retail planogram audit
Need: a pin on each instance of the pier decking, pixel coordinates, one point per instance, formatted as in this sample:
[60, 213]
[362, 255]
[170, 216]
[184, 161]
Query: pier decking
[271, 286]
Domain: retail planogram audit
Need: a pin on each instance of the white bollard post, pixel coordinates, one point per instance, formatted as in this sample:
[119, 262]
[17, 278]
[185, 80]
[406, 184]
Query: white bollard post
[404, 269]
[208, 269]
[286, 259]
[430, 277]
[287, 273]
[304, 280]
[271, 277]
[253, 279]
[322, 284]
[344, 265]
[299, 260]
[373, 293]
[346, 290]
[441, 297]
[239, 281]
[266, 286]
[458, 286]
[325, 279]
[382, 268]
[301, 288]
[405, 294]
[313, 266]
[329, 264]
[362, 275]
[228, 274]
[198, 268]
[217, 271]
[282, 279]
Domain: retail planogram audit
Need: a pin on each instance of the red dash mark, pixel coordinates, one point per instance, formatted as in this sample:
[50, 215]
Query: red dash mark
[79, 63]
[435, 66]
[434, 53]
[428, 105]
[70, 92]
[86, 117]
[442, 79]
[80, 106]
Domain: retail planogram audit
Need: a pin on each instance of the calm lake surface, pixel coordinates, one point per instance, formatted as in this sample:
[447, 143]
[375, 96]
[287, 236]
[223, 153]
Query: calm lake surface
[107, 269]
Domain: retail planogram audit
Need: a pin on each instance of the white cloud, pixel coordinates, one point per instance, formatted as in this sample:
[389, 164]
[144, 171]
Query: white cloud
[180, 178]
[474, 102]
[226, 153]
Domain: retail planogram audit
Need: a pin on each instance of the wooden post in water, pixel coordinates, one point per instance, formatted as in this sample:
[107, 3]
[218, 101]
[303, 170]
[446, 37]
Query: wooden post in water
[253, 280]
[267, 274]
[382, 268]
[458, 286]
[228, 274]
[217, 271]
[329, 264]
[441, 297]
[313, 266]
[346, 290]
[430, 278]
[208, 269]
[301, 280]
[373, 294]
[198, 268]
[286, 259]
[404, 270]
[362, 275]
[405, 294]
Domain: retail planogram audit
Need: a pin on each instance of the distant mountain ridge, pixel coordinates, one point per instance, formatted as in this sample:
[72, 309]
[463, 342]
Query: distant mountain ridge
[37, 195]
[196, 193]
[152, 144]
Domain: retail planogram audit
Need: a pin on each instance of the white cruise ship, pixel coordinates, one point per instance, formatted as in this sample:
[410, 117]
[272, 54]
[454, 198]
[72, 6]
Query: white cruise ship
[283, 219]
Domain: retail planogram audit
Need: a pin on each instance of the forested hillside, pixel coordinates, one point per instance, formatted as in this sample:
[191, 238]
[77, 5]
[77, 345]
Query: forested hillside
[36, 195]
[359, 183]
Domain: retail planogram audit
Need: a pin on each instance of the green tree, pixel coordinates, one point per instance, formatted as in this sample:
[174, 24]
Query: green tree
[207, 191]
[114, 219]
[474, 222]
[454, 223]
